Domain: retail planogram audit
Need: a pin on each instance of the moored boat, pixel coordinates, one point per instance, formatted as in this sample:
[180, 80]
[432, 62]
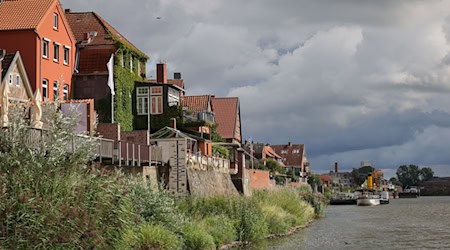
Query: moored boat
[368, 199]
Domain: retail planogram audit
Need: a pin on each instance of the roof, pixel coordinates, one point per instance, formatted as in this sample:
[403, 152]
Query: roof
[226, 111]
[6, 62]
[325, 178]
[292, 159]
[271, 153]
[198, 103]
[94, 60]
[23, 14]
[85, 22]
[177, 82]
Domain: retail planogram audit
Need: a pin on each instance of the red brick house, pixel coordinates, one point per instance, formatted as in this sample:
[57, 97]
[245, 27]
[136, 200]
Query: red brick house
[294, 157]
[40, 32]
[96, 41]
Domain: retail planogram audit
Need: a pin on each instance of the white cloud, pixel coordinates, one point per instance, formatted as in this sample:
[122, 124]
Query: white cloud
[353, 80]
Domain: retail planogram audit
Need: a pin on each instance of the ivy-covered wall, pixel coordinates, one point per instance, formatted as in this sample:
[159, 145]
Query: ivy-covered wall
[160, 121]
[124, 79]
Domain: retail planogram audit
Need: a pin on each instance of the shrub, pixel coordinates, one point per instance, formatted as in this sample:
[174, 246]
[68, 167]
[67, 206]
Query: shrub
[196, 238]
[278, 220]
[221, 228]
[250, 224]
[148, 236]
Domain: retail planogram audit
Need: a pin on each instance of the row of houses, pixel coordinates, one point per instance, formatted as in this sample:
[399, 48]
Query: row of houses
[56, 55]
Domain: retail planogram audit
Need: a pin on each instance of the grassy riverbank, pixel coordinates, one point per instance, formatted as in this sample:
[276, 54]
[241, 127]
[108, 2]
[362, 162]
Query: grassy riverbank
[52, 200]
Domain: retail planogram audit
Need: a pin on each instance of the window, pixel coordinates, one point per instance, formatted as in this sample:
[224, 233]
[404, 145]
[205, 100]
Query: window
[122, 62]
[131, 63]
[56, 52]
[55, 90]
[142, 100]
[45, 89]
[55, 21]
[66, 92]
[17, 80]
[156, 101]
[66, 54]
[45, 44]
[173, 97]
[10, 80]
[296, 151]
[284, 151]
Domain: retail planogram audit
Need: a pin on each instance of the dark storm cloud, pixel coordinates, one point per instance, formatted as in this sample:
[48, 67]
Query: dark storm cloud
[354, 80]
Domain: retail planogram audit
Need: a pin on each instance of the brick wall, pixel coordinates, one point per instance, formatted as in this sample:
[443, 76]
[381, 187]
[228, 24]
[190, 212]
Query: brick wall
[109, 130]
[259, 179]
[137, 136]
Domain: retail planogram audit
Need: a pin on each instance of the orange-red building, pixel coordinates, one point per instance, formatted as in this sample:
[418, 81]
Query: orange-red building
[40, 32]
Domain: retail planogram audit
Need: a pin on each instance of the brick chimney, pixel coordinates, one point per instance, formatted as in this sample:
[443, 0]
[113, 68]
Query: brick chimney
[173, 123]
[161, 73]
[67, 10]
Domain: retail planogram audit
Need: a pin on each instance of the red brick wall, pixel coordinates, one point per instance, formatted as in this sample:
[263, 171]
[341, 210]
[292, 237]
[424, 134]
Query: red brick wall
[259, 179]
[137, 136]
[109, 130]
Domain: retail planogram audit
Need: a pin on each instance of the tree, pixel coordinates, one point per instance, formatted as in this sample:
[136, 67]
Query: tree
[426, 174]
[315, 181]
[408, 175]
[395, 181]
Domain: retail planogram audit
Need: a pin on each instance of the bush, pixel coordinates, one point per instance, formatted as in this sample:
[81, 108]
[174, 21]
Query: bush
[148, 236]
[221, 228]
[250, 221]
[196, 238]
[278, 221]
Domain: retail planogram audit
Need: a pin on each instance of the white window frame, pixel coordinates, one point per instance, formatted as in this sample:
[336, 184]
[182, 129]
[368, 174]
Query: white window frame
[45, 89]
[46, 47]
[56, 47]
[142, 100]
[66, 59]
[66, 92]
[10, 80]
[131, 63]
[18, 80]
[55, 21]
[55, 90]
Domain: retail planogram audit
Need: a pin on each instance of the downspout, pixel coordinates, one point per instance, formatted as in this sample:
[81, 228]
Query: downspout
[40, 60]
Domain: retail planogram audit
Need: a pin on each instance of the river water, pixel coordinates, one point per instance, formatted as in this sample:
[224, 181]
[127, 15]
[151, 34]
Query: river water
[422, 223]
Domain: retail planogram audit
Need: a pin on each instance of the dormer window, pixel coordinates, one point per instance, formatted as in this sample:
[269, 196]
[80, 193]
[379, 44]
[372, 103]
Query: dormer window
[55, 21]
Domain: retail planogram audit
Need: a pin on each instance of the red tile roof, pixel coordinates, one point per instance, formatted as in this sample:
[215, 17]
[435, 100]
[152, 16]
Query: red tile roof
[94, 60]
[177, 82]
[85, 22]
[287, 152]
[197, 103]
[23, 14]
[226, 111]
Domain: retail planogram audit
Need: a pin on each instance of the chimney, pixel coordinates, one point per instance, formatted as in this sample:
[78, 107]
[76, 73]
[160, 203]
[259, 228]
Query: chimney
[177, 76]
[289, 144]
[173, 123]
[336, 167]
[67, 10]
[161, 73]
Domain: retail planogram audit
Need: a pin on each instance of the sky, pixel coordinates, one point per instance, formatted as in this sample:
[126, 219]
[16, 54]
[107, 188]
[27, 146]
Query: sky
[352, 80]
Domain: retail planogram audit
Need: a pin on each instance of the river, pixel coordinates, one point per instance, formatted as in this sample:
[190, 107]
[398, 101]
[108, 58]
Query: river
[403, 224]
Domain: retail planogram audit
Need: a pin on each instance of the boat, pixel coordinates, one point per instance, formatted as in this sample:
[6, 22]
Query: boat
[368, 198]
[410, 192]
[343, 199]
[384, 197]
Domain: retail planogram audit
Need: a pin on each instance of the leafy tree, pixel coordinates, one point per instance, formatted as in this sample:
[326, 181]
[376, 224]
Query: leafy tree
[360, 174]
[426, 174]
[395, 181]
[408, 175]
[315, 181]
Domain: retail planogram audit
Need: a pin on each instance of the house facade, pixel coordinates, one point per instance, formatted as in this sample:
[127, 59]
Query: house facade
[155, 102]
[97, 41]
[40, 32]
[294, 157]
[13, 74]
